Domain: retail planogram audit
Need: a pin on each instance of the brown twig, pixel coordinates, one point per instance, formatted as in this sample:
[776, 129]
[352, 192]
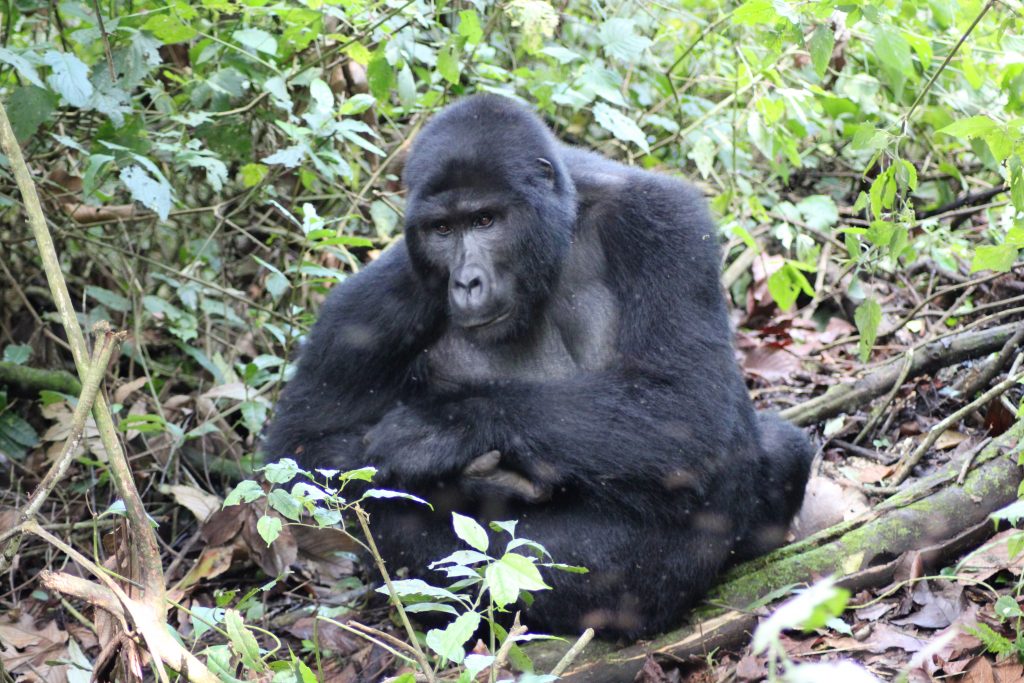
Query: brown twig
[935, 432]
[569, 657]
[421, 657]
[880, 408]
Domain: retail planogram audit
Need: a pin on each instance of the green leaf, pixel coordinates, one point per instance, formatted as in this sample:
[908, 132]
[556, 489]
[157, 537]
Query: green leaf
[152, 194]
[69, 77]
[419, 587]
[786, 283]
[204, 618]
[820, 46]
[16, 436]
[448, 62]
[282, 471]
[469, 26]
[620, 125]
[380, 75]
[29, 107]
[21, 65]
[357, 104]
[974, 127]
[867, 316]
[997, 257]
[169, 29]
[1007, 608]
[286, 504]
[510, 575]
[1016, 183]
[893, 55]
[819, 211]
[256, 39]
[17, 353]
[269, 528]
[384, 493]
[243, 642]
[810, 609]
[246, 491]
[253, 174]
[469, 531]
[755, 12]
[448, 642]
[618, 38]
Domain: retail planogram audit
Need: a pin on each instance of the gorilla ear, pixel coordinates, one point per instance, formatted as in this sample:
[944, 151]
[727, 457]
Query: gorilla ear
[547, 169]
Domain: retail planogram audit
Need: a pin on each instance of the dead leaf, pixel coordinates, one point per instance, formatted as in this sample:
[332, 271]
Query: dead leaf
[213, 561]
[875, 472]
[949, 439]
[327, 635]
[942, 603]
[771, 364]
[122, 393]
[993, 557]
[195, 500]
[980, 671]
[28, 650]
[750, 668]
[651, 672]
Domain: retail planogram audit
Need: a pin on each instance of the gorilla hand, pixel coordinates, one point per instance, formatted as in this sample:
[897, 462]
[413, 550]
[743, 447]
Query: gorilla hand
[407, 448]
[483, 476]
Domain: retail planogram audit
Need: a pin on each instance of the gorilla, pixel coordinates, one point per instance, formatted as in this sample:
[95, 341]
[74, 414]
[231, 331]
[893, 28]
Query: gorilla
[549, 343]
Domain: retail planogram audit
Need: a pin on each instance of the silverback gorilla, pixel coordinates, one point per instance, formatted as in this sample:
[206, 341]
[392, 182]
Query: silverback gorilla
[549, 344]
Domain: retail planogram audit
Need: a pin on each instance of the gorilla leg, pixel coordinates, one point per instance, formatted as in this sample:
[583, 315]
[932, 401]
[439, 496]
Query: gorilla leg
[643, 575]
[785, 465]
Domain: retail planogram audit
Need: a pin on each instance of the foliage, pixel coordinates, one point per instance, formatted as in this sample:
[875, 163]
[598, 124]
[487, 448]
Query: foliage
[482, 584]
[211, 168]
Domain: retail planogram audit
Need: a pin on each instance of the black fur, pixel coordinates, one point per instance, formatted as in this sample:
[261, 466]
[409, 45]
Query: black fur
[563, 310]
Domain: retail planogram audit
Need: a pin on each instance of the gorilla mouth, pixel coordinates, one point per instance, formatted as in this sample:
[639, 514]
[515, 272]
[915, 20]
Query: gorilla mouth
[475, 325]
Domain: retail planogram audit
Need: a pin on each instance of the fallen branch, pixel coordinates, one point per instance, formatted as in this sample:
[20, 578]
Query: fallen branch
[33, 380]
[934, 517]
[847, 397]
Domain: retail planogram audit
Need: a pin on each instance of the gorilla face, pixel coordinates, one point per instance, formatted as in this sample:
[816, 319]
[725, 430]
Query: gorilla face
[489, 233]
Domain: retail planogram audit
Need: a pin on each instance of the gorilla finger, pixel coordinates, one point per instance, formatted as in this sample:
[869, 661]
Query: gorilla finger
[515, 484]
[483, 465]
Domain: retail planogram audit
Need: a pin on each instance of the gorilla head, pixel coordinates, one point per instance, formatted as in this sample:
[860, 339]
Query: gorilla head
[492, 228]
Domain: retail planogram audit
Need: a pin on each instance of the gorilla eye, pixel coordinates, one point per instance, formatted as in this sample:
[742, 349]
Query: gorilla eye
[484, 221]
[442, 229]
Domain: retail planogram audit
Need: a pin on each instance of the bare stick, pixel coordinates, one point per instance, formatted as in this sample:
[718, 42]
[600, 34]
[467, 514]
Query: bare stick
[100, 360]
[876, 414]
[569, 657]
[363, 518]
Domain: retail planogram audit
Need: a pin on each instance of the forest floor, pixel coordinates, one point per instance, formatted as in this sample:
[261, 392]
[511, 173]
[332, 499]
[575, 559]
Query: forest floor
[950, 614]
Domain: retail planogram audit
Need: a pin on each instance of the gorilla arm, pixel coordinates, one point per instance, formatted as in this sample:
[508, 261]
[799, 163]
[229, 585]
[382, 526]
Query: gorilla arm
[356, 364]
[666, 411]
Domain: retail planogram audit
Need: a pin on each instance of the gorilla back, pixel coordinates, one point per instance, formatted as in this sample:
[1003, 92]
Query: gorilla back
[549, 343]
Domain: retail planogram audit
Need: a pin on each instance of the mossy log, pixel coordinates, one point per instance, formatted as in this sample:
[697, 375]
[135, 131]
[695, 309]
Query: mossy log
[848, 396]
[934, 515]
[33, 380]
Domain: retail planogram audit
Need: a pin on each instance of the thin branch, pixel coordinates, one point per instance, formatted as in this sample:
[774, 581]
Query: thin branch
[421, 657]
[945, 63]
[935, 432]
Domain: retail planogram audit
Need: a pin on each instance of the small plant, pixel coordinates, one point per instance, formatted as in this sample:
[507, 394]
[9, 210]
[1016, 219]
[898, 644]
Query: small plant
[815, 607]
[484, 585]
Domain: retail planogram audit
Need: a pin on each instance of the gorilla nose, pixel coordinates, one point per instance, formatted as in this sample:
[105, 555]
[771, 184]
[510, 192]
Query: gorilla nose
[468, 288]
